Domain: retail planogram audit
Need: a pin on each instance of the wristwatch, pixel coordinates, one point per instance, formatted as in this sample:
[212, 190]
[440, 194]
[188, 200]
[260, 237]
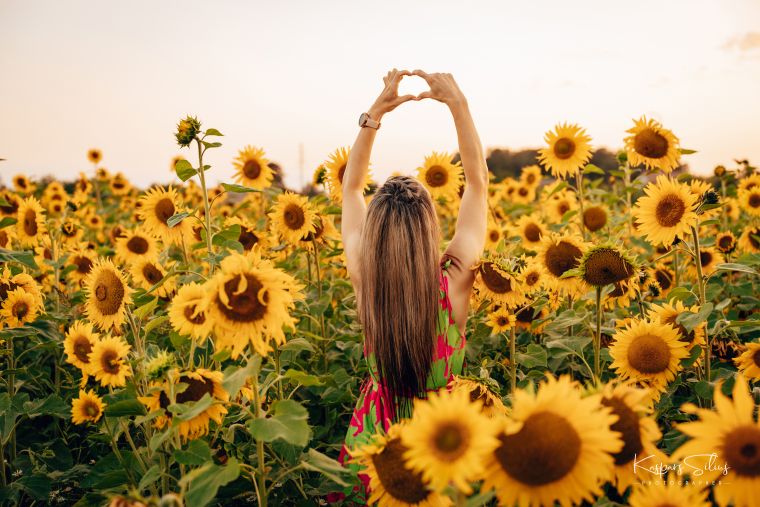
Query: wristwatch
[366, 121]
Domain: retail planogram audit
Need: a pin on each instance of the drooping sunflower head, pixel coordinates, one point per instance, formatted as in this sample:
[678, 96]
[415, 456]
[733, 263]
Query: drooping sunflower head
[252, 168]
[30, 224]
[666, 212]
[80, 339]
[187, 312]
[107, 295]
[108, 361]
[606, 264]
[480, 390]
[293, 217]
[568, 150]
[158, 365]
[555, 446]
[88, 407]
[440, 176]
[652, 145]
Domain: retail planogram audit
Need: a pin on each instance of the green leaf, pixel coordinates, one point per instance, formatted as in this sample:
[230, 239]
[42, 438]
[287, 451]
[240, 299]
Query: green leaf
[37, 486]
[154, 323]
[238, 189]
[297, 345]
[732, 266]
[184, 170]
[177, 218]
[289, 423]
[235, 379]
[6, 221]
[303, 378]
[3, 202]
[25, 257]
[691, 320]
[330, 468]
[187, 411]
[592, 169]
[146, 309]
[686, 151]
[703, 390]
[206, 481]
[679, 294]
[208, 145]
[535, 357]
[52, 405]
[197, 453]
[213, 132]
[124, 408]
[231, 233]
[150, 477]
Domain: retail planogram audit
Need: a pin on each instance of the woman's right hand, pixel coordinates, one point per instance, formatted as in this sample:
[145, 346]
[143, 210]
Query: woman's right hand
[443, 88]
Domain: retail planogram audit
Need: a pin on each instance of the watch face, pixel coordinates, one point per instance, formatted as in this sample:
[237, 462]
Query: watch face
[362, 119]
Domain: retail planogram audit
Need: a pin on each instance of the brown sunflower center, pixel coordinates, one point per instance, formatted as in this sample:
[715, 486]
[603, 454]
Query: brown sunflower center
[756, 357]
[82, 348]
[151, 273]
[69, 229]
[436, 176]
[494, 235]
[564, 148]
[341, 171]
[247, 238]
[705, 257]
[649, 354]
[252, 169]
[670, 210]
[495, 281]
[399, 481]
[109, 293]
[525, 314]
[30, 222]
[450, 441]
[294, 216]
[664, 278]
[191, 315]
[532, 278]
[164, 210]
[544, 450]
[754, 200]
[741, 449]
[605, 266]
[753, 239]
[726, 243]
[628, 425]
[110, 362]
[562, 257]
[137, 245]
[523, 192]
[594, 218]
[563, 207]
[532, 232]
[482, 394]
[91, 409]
[83, 264]
[650, 143]
[20, 310]
[245, 306]
[530, 179]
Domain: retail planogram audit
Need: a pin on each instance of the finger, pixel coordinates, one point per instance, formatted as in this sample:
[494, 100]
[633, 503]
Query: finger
[404, 98]
[418, 72]
[425, 95]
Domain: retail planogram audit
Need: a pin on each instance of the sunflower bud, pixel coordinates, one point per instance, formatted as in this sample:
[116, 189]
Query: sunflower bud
[719, 171]
[158, 365]
[622, 157]
[710, 197]
[187, 129]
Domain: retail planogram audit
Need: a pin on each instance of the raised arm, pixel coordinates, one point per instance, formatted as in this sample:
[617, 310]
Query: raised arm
[354, 206]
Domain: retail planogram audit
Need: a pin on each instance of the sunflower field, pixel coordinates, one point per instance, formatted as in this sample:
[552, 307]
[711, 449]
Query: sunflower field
[197, 345]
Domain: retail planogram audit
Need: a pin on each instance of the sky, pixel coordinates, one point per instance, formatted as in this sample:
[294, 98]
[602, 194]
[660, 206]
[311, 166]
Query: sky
[293, 77]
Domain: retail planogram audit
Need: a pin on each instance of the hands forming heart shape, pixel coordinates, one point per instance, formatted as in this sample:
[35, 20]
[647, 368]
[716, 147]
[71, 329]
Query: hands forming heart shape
[443, 88]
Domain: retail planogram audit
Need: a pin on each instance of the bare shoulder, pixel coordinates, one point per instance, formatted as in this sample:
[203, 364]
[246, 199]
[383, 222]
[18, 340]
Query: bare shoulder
[461, 279]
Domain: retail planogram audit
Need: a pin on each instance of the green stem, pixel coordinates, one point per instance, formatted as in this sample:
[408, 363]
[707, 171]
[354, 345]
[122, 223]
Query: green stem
[579, 184]
[627, 190]
[323, 342]
[702, 298]
[11, 394]
[117, 452]
[513, 359]
[676, 271]
[278, 367]
[206, 207]
[598, 336]
[262, 478]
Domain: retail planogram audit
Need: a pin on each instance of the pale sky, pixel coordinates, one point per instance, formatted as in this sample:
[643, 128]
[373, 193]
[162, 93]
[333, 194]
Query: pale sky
[119, 75]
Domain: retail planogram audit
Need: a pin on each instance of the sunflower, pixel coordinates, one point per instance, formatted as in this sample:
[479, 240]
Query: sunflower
[147, 273]
[725, 444]
[666, 212]
[440, 176]
[107, 295]
[637, 428]
[530, 319]
[749, 201]
[71, 231]
[249, 301]
[87, 408]
[725, 242]
[533, 276]
[30, 225]
[18, 308]
[252, 169]
[198, 383]
[10, 282]
[664, 276]
[496, 282]
[604, 265]
[531, 229]
[668, 493]
[120, 185]
[500, 321]
[336, 167]
[156, 207]
[558, 205]
[22, 184]
[748, 363]
[710, 257]
[647, 350]
[80, 339]
[248, 236]
[749, 241]
[94, 155]
[568, 150]
[187, 312]
[595, 217]
[6, 238]
[531, 176]
[324, 231]
[392, 482]
[559, 254]
[668, 313]
[135, 245]
[652, 145]
[446, 438]
[480, 392]
[493, 236]
[555, 447]
[107, 362]
[523, 194]
[293, 217]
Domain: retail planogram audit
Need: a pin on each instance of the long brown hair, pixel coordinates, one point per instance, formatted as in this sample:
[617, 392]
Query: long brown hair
[398, 301]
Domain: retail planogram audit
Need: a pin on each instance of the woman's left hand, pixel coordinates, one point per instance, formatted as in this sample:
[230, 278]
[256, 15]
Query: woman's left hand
[389, 99]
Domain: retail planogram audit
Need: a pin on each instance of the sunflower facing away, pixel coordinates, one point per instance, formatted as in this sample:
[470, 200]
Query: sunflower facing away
[666, 212]
[647, 350]
[88, 407]
[249, 301]
[446, 439]
[652, 145]
[187, 312]
[198, 382]
[555, 446]
[440, 176]
[568, 150]
[748, 363]
[107, 295]
[30, 225]
[392, 482]
[252, 168]
[293, 217]
[80, 339]
[733, 433]
[108, 362]
[156, 207]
